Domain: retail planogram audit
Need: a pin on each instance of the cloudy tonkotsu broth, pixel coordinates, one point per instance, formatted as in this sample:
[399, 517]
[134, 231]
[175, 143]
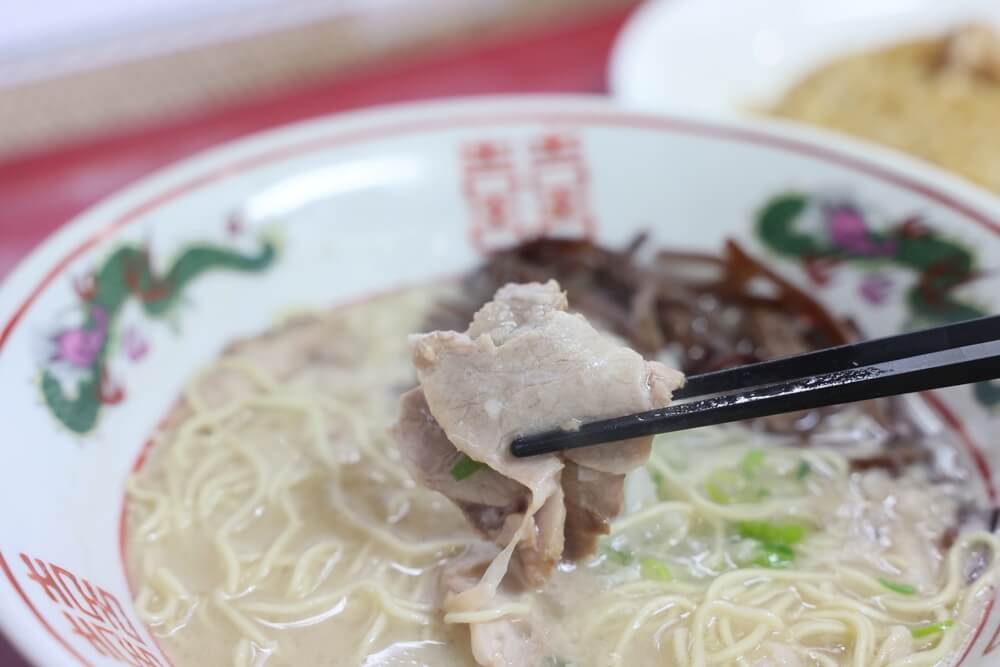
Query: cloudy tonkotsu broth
[274, 524]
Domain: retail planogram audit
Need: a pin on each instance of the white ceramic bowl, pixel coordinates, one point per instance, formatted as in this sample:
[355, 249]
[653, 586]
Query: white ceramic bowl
[325, 211]
[723, 58]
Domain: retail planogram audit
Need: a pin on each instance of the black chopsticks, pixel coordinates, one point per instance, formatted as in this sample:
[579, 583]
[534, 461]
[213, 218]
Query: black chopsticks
[929, 359]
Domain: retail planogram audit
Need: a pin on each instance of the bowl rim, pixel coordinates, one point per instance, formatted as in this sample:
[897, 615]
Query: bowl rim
[34, 273]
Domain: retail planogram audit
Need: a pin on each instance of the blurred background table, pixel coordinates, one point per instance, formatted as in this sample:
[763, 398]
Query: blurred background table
[72, 132]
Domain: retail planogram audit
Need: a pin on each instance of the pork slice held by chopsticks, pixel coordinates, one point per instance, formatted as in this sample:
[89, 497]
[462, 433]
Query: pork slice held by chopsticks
[526, 364]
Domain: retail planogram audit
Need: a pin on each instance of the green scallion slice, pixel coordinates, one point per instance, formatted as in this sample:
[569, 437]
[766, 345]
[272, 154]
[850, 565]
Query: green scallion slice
[902, 589]
[922, 631]
[785, 534]
[751, 463]
[652, 568]
[773, 556]
[619, 556]
[658, 481]
[465, 467]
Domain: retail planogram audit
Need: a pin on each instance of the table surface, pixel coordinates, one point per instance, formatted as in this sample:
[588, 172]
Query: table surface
[40, 192]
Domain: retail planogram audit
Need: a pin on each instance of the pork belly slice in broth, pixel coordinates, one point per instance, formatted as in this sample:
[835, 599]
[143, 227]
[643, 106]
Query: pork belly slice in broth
[506, 641]
[593, 497]
[430, 458]
[525, 364]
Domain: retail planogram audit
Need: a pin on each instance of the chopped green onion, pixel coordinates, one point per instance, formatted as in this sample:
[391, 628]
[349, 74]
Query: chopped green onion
[726, 486]
[620, 556]
[922, 631]
[465, 467]
[784, 534]
[658, 481]
[752, 462]
[902, 589]
[803, 470]
[716, 494]
[651, 568]
[773, 556]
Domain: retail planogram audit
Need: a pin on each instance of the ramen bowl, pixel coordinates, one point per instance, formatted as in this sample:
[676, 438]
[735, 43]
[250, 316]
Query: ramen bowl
[101, 327]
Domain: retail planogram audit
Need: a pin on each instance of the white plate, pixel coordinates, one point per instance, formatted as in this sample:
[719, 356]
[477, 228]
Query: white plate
[322, 212]
[722, 57]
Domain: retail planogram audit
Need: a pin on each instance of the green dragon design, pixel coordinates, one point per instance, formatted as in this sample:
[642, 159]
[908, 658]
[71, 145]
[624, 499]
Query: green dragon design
[126, 274]
[940, 265]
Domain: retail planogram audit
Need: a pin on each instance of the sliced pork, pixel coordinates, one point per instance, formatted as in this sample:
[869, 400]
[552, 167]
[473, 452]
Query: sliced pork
[431, 457]
[525, 364]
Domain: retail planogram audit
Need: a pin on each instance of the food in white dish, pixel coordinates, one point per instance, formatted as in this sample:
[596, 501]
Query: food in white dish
[936, 98]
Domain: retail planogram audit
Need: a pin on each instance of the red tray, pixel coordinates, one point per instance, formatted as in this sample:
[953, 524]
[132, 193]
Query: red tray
[41, 191]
